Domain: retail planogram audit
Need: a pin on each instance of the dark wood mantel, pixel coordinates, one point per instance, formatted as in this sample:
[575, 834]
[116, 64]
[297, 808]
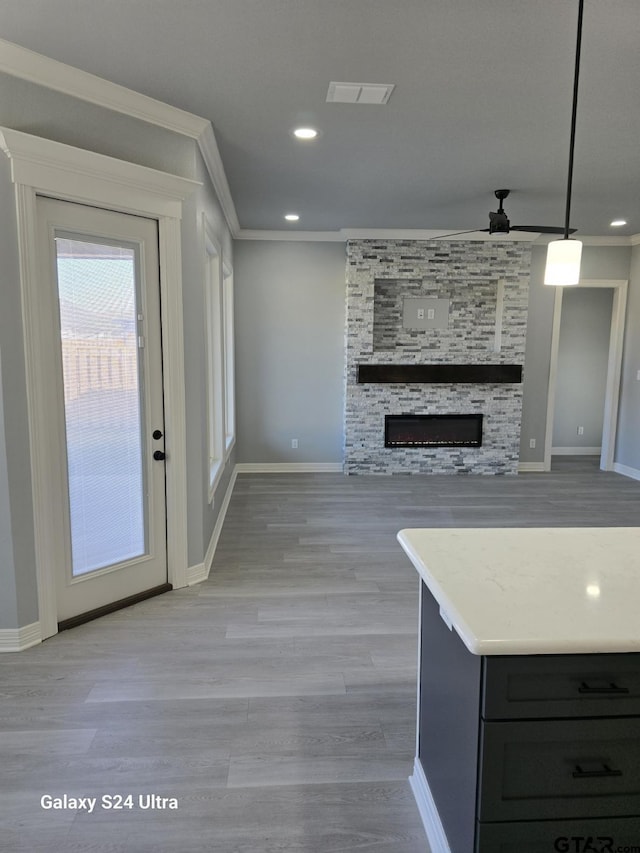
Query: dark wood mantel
[440, 373]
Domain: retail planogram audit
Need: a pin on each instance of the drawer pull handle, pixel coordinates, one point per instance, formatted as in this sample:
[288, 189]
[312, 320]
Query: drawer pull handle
[606, 771]
[611, 689]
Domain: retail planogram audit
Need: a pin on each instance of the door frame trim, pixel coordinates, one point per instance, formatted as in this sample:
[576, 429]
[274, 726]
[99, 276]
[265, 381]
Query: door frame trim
[42, 167]
[614, 369]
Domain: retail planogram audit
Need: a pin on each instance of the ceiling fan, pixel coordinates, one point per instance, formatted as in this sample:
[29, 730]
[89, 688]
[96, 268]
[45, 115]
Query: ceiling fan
[499, 223]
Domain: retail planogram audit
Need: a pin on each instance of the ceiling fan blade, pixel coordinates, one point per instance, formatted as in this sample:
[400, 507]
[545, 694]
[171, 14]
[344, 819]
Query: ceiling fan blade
[541, 229]
[458, 233]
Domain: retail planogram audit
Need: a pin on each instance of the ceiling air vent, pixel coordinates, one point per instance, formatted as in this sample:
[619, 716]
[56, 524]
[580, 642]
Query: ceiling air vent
[359, 93]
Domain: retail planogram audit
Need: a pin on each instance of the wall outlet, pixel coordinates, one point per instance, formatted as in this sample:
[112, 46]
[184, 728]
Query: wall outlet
[638, 376]
[580, 430]
[425, 312]
[532, 443]
[294, 443]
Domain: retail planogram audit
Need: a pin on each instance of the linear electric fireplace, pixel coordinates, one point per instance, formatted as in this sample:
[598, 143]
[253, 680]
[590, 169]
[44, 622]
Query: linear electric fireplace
[433, 431]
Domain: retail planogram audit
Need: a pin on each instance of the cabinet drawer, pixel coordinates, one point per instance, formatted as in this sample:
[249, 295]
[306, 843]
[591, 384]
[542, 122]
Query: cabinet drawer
[556, 769]
[539, 686]
[566, 836]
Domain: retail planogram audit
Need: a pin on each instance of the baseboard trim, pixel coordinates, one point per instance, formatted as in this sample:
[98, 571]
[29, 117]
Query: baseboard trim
[428, 811]
[19, 639]
[196, 574]
[200, 572]
[289, 468]
[530, 467]
[576, 451]
[626, 471]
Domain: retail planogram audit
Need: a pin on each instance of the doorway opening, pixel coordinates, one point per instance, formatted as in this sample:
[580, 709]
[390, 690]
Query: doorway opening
[584, 377]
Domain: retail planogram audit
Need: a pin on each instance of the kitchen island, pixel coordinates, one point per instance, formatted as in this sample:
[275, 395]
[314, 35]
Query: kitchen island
[528, 730]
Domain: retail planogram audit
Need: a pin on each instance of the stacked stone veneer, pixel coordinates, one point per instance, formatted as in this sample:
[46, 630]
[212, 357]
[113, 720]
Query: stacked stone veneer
[380, 275]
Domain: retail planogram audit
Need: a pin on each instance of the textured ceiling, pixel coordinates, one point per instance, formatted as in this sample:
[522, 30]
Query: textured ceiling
[482, 100]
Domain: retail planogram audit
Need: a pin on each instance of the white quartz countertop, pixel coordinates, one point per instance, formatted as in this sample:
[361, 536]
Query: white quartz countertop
[552, 590]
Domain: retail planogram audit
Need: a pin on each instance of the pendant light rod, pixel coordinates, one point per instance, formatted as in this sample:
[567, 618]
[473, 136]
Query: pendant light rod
[576, 77]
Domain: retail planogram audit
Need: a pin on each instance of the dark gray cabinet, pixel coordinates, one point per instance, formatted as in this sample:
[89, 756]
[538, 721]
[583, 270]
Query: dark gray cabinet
[529, 754]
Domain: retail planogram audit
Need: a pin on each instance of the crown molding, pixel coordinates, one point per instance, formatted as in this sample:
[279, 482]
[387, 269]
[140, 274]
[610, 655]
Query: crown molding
[27, 65]
[605, 241]
[213, 161]
[591, 240]
[434, 234]
[346, 234]
[36, 68]
[291, 236]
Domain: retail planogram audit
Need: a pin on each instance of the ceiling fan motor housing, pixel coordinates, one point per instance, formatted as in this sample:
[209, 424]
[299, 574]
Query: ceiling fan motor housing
[498, 223]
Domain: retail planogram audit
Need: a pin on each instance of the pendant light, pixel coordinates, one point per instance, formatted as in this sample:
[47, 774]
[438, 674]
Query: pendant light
[563, 256]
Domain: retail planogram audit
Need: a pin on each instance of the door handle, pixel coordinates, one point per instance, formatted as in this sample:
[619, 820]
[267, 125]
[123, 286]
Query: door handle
[610, 689]
[157, 434]
[606, 771]
[158, 455]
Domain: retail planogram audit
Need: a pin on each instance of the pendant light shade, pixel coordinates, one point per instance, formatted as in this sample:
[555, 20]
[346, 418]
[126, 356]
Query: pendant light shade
[563, 256]
[563, 262]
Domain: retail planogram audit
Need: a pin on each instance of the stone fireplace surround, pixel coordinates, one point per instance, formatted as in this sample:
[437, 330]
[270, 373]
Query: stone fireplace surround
[486, 283]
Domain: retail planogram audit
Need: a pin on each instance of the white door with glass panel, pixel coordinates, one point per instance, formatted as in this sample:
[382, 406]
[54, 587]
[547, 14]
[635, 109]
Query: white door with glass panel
[100, 289]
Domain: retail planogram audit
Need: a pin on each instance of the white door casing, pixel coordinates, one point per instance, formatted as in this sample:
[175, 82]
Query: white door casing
[42, 167]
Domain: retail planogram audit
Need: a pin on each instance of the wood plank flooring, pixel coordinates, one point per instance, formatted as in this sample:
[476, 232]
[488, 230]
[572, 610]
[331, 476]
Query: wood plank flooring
[276, 701]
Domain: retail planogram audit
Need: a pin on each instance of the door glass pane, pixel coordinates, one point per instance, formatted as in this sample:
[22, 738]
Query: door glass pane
[102, 396]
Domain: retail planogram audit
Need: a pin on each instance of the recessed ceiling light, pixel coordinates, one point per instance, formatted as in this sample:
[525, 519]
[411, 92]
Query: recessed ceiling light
[617, 223]
[291, 217]
[305, 133]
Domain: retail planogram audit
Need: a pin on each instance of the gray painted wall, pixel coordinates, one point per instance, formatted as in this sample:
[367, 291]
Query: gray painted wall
[536, 361]
[583, 356]
[290, 320]
[604, 262]
[628, 439]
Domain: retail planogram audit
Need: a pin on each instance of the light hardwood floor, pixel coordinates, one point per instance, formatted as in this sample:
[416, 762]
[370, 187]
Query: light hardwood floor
[276, 701]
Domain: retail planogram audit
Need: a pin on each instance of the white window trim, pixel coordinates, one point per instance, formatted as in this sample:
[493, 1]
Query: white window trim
[42, 167]
[214, 374]
[229, 358]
